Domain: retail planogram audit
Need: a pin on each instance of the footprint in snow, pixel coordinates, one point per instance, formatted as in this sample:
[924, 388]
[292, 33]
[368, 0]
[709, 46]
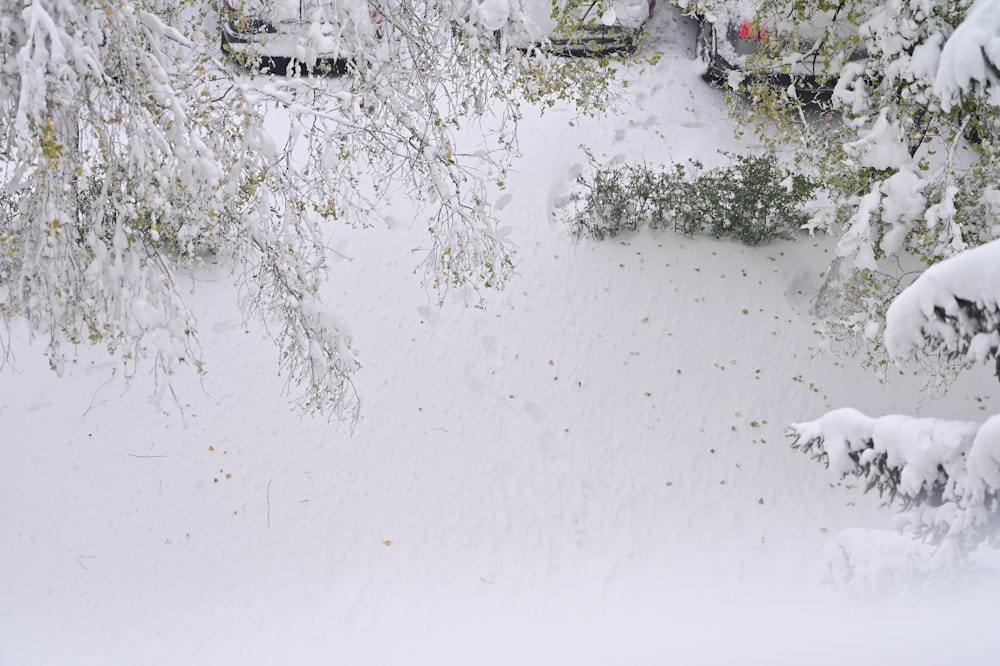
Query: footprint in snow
[227, 326]
[534, 412]
[491, 346]
[394, 223]
[562, 194]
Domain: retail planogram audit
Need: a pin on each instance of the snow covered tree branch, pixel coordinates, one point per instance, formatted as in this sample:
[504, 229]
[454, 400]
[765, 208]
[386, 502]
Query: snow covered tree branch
[905, 146]
[954, 307]
[945, 473]
[970, 58]
[131, 148]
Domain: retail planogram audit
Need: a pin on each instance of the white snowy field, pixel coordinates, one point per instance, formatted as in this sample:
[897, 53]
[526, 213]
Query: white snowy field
[592, 470]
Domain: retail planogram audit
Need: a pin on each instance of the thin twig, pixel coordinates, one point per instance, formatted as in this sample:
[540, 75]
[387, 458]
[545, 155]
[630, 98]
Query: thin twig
[93, 398]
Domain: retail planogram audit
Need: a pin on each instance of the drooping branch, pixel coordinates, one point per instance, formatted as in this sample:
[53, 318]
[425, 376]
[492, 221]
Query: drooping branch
[946, 474]
[953, 307]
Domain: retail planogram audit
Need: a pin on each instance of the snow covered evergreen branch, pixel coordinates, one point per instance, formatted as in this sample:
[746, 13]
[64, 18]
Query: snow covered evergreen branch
[945, 473]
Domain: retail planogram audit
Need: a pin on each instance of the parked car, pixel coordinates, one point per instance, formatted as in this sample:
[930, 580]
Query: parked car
[308, 34]
[593, 28]
[774, 47]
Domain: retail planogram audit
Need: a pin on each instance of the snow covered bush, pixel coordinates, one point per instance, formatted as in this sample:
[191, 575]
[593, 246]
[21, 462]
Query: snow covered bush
[875, 563]
[129, 148]
[752, 200]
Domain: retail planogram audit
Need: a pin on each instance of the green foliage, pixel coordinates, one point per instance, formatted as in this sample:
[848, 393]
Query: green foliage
[752, 200]
[876, 123]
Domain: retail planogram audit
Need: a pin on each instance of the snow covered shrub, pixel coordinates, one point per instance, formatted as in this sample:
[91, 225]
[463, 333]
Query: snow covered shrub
[752, 200]
[616, 200]
[872, 563]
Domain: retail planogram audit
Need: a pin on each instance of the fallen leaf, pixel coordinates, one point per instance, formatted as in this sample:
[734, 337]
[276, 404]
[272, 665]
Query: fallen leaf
[387, 542]
[211, 448]
[228, 475]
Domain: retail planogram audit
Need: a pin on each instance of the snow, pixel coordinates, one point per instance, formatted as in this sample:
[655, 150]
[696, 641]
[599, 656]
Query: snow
[922, 447]
[902, 204]
[871, 563]
[970, 56]
[494, 14]
[944, 474]
[857, 240]
[984, 459]
[972, 276]
[592, 469]
[845, 431]
[882, 148]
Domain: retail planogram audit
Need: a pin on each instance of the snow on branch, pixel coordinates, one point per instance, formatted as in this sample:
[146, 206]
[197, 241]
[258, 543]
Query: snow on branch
[946, 473]
[129, 151]
[970, 58]
[952, 307]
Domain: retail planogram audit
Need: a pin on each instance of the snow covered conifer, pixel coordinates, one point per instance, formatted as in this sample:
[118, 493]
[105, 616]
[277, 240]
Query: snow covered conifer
[945, 473]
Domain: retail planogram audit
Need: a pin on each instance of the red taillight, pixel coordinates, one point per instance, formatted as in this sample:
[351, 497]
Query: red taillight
[749, 30]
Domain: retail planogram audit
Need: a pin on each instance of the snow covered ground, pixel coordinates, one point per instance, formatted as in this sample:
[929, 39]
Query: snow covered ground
[590, 470]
